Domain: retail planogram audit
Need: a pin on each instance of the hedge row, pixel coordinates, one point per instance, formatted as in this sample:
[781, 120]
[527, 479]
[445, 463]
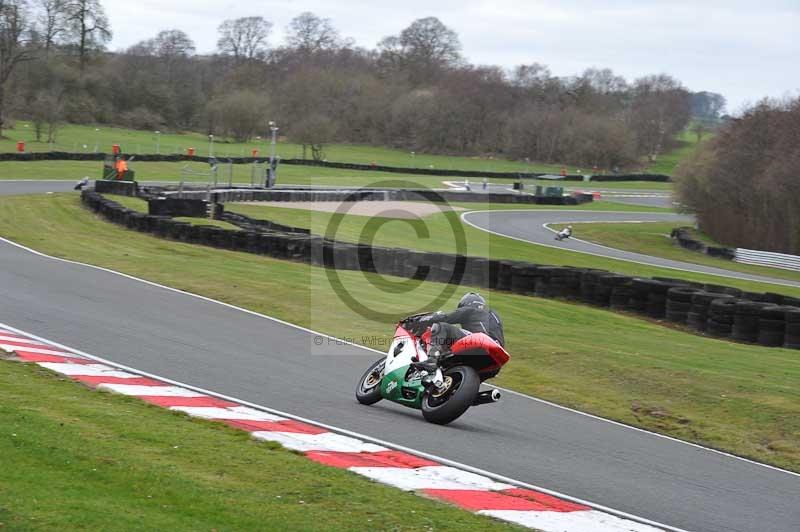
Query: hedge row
[66, 156]
[718, 310]
[684, 238]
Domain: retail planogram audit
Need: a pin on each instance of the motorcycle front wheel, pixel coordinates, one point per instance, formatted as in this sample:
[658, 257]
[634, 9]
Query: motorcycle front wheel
[368, 391]
[461, 384]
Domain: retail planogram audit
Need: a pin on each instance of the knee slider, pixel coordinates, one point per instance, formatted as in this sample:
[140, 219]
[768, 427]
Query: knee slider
[435, 328]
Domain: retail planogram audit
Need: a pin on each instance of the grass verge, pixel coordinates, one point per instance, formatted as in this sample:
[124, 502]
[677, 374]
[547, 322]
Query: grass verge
[434, 233]
[84, 460]
[741, 398]
[652, 238]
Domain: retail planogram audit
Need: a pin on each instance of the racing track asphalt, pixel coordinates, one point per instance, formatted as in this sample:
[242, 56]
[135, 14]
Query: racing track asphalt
[263, 361]
[529, 225]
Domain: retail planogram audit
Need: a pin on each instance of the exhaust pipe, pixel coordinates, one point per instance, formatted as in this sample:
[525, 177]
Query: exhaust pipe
[486, 397]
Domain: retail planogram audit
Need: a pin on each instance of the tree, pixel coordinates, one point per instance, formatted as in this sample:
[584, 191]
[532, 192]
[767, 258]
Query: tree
[707, 105]
[47, 114]
[51, 22]
[699, 129]
[173, 43]
[742, 184]
[244, 38]
[241, 114]
[314, 131]
[422, 50]
[88, 26]
[310, 34]
[659, 109]
[14, 48]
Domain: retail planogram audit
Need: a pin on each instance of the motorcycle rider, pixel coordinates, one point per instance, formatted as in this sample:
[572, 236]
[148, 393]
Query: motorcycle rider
[565, 233]
[472, 314]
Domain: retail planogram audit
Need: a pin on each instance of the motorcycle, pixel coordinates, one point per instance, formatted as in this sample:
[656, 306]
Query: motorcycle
[443, 394]
[560, 236]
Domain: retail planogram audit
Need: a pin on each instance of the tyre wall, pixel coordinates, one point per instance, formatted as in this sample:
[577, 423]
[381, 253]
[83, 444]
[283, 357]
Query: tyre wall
[767, 319]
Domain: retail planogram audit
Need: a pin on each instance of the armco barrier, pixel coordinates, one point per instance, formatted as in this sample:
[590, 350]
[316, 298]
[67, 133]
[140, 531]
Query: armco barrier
[769, 319]
[767, 258]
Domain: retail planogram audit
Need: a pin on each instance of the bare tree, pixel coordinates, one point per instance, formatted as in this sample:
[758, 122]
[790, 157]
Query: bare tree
[314, 131]
[742, 184]
[310, 34]
[423, 49]
[48, 112]
[659, 109]
[13, 45]
[51, 22]
[240, 113]
[173, 43]
[244, 38]
[88, 25]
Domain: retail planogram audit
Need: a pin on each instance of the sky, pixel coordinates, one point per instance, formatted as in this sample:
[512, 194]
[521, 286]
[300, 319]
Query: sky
[743, 50]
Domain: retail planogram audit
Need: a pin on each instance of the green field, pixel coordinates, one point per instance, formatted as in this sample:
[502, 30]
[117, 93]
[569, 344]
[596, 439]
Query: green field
[686, 144]
[737, 397]
[402, 233]
[82, 139]
[77, 459]
[652, 238]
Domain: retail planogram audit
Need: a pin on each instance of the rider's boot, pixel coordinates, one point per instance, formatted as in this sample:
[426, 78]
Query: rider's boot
[432, 362]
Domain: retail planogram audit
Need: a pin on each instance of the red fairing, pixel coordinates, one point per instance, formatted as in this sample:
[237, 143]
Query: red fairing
[475, 343]
[482, 342]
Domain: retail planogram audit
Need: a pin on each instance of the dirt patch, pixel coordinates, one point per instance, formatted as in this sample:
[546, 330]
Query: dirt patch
[386, 209]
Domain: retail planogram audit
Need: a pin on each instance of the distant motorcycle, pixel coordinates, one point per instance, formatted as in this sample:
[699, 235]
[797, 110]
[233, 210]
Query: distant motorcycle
[564, 233]
[447, 392]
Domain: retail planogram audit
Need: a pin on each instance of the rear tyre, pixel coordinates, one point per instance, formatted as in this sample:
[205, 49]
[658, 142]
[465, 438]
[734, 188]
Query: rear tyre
[462, 383]
[368, 391]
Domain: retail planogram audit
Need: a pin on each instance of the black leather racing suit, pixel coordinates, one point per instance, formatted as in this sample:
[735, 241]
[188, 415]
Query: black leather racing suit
[471, 319]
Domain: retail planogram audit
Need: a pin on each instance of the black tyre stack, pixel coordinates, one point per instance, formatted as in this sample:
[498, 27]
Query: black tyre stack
[719, 289]
[523, 279]
[679, 303]
[604, 288]
[640, 289]
[792, 337]
[551, 281]
[772, 326]
[504, 275]
[698, 315]
[621, 295]
[588, 284]
[746, 320]
[720, 317]
[657, 299]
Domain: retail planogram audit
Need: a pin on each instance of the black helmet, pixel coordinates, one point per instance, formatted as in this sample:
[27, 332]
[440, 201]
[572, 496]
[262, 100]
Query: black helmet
[471, 299]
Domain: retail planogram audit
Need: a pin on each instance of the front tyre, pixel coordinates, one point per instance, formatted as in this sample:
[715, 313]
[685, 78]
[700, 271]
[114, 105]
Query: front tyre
[368, 391]
[461, 385]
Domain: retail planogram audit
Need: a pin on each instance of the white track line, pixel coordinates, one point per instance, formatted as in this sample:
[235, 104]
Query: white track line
[346, 342]
[733, 275]
[332, 428]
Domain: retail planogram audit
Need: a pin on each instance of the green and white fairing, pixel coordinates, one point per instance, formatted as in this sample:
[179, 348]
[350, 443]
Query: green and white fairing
[394, 385]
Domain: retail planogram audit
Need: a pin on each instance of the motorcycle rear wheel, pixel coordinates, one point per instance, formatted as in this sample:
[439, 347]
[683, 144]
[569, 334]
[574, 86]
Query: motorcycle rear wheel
[446, 406]
[368, 391]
